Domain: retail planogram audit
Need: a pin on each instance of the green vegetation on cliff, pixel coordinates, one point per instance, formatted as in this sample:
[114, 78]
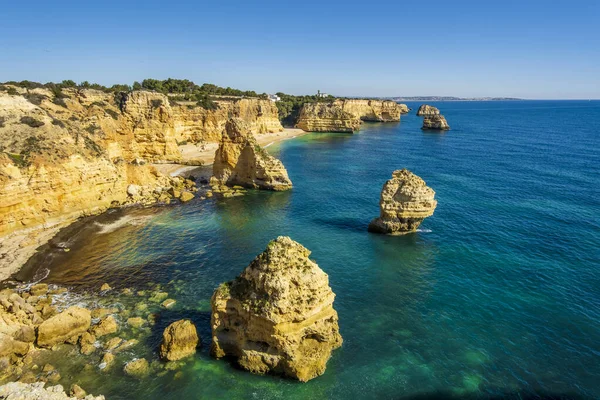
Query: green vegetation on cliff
[289, 106]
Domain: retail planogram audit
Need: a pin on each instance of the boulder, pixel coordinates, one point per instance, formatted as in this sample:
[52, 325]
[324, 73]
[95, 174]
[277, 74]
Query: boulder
[239, 160]
[138, 368]
[426, 109]
[278, 315]
[180, 340]
[107, 326]
[404, 203]
[135, 322]
[61, 327]
[435, 122]
[186, 196]
[39, 289]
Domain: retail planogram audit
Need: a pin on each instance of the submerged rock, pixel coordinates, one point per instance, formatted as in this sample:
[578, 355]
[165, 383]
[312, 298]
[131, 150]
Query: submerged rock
[278, 315]
[138, 368]
[61, 327]
[435, 122]
[426, 109]
[404, 203]
[180, 340]
[107, 326]
[239, 160]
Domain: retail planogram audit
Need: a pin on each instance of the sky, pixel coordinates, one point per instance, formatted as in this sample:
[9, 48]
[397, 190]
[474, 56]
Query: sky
[529, 49]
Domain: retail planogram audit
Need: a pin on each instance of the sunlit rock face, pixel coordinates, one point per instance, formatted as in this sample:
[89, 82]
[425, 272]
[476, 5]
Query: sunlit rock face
[240, 160]
[327, 117]
[435, 122]
[405, 202]
[277, 316]
[426, 109]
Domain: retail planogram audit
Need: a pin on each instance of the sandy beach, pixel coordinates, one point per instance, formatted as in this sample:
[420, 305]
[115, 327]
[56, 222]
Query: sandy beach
[202, 155]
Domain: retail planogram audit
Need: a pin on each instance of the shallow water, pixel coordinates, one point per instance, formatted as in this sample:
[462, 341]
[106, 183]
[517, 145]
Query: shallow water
[498, 293]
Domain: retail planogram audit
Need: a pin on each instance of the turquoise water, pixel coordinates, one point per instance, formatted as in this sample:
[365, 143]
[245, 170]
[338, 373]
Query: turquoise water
[497, 294]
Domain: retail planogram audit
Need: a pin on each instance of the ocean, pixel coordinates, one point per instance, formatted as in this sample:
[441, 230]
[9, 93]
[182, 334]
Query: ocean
[496, 295]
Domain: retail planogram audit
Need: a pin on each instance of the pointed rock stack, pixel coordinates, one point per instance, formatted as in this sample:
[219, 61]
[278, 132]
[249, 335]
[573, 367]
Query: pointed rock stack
[433, 119]
[239, 160]
[405, 202]
[278, 315]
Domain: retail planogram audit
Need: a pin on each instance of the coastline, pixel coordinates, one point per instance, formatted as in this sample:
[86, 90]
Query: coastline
[195, 156]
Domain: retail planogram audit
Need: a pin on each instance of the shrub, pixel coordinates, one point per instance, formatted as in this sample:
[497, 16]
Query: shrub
[58, 123]
[112, 113]
[59, 101]
[35, 98]
[32, 122]
[205, 102]
[156, 103]
[12, 91]
[91, 128]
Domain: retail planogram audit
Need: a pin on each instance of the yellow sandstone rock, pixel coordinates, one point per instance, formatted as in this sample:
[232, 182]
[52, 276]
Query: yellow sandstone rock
[278, 315]
[61, 327]
[404, 203]
[180, 340]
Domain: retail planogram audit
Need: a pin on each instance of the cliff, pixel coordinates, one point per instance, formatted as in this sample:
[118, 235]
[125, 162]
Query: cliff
[371, 110]
[195, 124]
[278, 315]
[347, 115]
[239, 160]
[326, 117]
[404, 203]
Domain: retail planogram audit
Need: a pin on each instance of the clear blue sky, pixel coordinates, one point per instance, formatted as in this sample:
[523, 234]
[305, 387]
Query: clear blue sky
[530, 49]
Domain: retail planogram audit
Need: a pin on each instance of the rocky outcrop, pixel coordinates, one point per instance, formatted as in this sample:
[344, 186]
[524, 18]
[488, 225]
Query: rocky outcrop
[371, 110]
[403, 108]
[68, 324]
[37, 391]
[405, 202]
[239, 160]
[278, 315]
[435, 122]
[427, 110]
[327, 117]
[180, 340]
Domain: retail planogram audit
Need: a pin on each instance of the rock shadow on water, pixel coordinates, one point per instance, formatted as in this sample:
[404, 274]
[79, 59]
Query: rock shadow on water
[343, 223]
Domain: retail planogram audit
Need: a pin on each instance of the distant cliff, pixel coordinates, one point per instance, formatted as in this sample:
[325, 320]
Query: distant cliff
[346, 115]
[74, 152]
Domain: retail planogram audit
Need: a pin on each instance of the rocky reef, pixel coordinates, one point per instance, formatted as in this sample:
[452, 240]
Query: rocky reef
[346, 115]
[435, 122]
[37, 391]
[327, 117]
[277, 316]
[240, 161]
[405, 202]
[426, 109]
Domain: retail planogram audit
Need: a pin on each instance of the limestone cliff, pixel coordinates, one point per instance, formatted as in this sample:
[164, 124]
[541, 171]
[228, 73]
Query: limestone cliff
[326, 117]
[239, 160]
[403, 108]
[426, 109]
[435, 122]
[278, 315]
[405, 202]
[195, 124]
[371, 110]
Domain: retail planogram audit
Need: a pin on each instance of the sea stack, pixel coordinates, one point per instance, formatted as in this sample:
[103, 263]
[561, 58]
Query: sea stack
[426, 109]
[239, 160]
[435, 122]
[277, 316]
[403, 108]
[405, 202]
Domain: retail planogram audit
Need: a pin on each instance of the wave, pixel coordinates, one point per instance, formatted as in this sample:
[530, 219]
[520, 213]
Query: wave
[126, 220]
[424, 230]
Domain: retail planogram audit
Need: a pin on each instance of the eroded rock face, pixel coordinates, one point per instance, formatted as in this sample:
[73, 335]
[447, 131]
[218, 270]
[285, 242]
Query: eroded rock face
[180, 340]
[278, 315]
[327, 117]
[239, 160]
[37, 391]
[435, 122]
[403, 108]
[372, 110]
[70, 323]
[405, 202]
[426, 109]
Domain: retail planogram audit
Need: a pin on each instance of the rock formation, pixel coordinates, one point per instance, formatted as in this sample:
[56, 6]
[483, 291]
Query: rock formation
[346, 115]
[326, 117]
[371, 110]
[239, 160]
[68, 324]
[435, 122]
[37, 391]
[278, 315]
[403, 108]
[427, 110]
[405, 202]
[180, 340]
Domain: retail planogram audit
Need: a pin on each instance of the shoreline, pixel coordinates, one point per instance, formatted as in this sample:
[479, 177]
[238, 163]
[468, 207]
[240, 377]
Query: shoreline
[195, 157]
